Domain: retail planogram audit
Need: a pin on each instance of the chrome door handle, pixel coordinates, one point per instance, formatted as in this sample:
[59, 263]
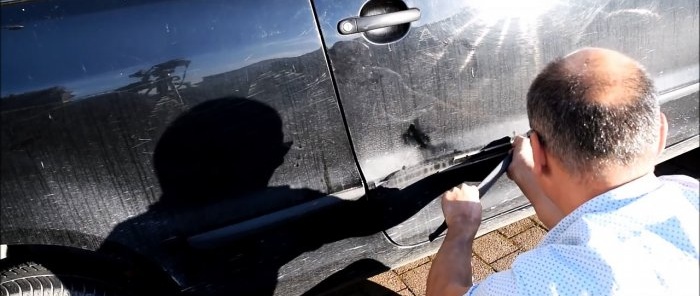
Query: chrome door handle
[365, 23]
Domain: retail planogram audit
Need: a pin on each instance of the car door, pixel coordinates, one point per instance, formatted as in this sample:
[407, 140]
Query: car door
[427, 84]
[221, 111]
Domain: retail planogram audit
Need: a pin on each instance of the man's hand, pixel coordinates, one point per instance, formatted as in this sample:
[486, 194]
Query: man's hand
[522, 166]
[521, 171]
[451, 271]
[462, 210]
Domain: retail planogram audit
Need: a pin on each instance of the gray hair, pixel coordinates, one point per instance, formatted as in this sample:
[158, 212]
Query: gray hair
[586, 135]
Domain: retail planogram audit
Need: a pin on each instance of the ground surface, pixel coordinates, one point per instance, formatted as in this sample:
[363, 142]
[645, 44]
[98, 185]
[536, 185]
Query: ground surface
[493, 252]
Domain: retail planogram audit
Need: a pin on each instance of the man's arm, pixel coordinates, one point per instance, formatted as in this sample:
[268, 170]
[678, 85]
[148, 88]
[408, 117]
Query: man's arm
[451, 270]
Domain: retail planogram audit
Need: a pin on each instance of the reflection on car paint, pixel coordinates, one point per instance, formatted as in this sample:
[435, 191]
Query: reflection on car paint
[463, 74]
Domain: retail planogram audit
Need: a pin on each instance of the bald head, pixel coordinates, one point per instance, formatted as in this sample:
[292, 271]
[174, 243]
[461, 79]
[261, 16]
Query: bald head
[605, 73]
[595, 60]
[594, 108]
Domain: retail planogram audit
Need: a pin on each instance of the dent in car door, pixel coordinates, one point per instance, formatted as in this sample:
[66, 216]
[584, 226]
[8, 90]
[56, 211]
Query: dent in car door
[457, 80]
[89, 88]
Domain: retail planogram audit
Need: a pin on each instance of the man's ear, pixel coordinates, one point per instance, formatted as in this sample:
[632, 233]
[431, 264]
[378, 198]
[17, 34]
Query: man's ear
[539, 156]
[663, 131]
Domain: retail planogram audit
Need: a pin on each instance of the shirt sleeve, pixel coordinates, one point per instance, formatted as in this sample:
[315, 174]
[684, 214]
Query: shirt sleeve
[500, 283]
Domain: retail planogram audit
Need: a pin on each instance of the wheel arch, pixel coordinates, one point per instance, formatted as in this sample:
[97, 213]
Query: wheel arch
[60, 246]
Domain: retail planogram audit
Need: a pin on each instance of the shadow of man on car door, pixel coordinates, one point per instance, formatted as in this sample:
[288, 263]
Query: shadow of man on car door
[214, 163]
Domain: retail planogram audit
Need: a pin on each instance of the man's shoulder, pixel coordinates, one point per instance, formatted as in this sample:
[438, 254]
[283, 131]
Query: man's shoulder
[550, 269]
[575, 270]
[574, 265]
[682, 179]
[556, 257]
[635, 205]
[688, 186]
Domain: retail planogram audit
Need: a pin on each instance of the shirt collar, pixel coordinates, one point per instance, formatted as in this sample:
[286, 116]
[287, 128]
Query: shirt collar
[634, 188]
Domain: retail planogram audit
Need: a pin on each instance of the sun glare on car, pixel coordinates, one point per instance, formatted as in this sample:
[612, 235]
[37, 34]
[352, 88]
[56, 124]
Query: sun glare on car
[492, 11]
[489, 13]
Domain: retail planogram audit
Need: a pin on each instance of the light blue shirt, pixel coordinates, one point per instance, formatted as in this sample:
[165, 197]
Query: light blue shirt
[638, 239]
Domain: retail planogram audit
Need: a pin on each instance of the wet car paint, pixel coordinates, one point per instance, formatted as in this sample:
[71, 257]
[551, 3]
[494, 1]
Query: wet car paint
[458, 79]
[89, 89]
[79, 126]
[462, 76]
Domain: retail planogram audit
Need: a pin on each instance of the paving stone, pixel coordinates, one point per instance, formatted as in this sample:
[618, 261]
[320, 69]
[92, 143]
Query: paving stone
[416, 279]
[405, 292]
[505, 262]
[515, 228]
[412, 265]
[529, 239]
[388, 279]
[493, 246]
[480, 270]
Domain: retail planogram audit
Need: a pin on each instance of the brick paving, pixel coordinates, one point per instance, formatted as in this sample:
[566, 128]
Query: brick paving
[493, 251]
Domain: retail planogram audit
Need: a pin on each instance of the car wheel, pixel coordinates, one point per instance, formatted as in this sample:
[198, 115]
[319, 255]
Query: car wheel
[35, 279]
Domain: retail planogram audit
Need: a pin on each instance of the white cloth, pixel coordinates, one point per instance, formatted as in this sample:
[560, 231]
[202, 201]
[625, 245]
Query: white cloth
[638, 239]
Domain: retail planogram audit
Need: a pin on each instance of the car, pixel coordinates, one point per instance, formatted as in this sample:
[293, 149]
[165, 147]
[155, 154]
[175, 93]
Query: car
[280, 147]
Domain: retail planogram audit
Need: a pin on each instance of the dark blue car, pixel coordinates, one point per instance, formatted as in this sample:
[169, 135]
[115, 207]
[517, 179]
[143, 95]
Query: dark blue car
[279, 147]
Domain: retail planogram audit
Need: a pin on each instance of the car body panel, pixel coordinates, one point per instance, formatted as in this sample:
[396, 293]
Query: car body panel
[94, 91]
[89, 88]
[459, 78]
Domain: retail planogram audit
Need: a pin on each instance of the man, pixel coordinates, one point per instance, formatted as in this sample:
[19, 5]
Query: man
[587, 168]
